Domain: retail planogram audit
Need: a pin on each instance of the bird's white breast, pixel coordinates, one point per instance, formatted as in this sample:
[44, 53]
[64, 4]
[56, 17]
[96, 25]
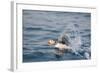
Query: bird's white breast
[61, 46]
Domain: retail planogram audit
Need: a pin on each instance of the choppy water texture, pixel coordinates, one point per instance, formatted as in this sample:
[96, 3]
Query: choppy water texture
[40, 26]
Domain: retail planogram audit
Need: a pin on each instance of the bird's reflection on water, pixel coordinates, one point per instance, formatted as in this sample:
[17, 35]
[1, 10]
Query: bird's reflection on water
[60, 53]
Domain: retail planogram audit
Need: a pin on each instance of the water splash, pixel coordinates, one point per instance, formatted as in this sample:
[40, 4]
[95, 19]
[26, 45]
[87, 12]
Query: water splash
[76, 42]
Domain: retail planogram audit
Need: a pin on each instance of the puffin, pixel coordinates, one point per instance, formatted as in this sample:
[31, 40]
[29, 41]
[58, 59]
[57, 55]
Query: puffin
[61, 45]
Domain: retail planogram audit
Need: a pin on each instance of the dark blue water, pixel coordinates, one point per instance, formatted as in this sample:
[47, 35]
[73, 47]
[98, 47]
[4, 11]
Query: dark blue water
[40, 26]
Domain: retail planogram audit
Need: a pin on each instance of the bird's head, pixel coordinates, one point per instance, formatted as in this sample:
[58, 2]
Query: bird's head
[51, 42]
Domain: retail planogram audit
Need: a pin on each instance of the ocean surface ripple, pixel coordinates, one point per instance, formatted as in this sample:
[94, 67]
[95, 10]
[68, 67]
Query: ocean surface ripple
[40, 26]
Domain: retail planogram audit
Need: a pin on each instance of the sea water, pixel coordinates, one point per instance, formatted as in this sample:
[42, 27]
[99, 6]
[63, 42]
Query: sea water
[40, 26]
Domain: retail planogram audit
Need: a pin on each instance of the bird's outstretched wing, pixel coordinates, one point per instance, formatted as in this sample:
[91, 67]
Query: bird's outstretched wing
[64, 38]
